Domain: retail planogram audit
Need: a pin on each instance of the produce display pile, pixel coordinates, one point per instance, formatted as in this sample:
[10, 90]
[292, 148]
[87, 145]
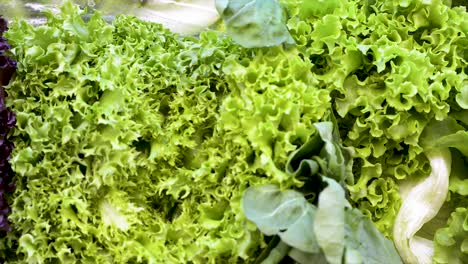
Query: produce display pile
[291, 132]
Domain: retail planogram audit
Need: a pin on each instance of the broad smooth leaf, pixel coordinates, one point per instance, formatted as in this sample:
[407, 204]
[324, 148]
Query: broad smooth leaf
[255, 23]
[330, 221]
[284, 213]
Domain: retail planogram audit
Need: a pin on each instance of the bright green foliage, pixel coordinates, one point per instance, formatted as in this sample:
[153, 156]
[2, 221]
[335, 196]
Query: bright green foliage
[322, 227]
[423, 200]
[451, 242]
[319, 8]
[391, 66]
[273, 102]
[135, 144]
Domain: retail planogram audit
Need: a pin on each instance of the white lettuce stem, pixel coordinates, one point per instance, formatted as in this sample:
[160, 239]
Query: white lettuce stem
[422, 203]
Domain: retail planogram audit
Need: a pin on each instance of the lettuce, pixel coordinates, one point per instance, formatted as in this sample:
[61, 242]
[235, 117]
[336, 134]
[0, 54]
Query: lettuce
[451, 241]
[321, 227]
[391, 67]
[134, 139]
[135, 144]
[119, 157]
[386, 88]
[188, 17]
[424, 200]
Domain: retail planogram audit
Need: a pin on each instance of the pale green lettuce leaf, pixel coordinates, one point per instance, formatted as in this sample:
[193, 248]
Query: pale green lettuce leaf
[338, 232]
[284, 213]
[316, 228]
[254, 23]
[329, 224]
[421, 204]
[459, 176]
[365, 243]
[462, 97]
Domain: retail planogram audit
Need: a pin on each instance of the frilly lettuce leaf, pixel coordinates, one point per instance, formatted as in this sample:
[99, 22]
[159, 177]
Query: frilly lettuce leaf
[451, 242]
[273, 105]
[119, 154]
[319, 7]
[167, 132]
[391, 67]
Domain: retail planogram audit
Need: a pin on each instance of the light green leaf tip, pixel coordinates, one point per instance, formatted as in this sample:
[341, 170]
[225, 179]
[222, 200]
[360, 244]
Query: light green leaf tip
[462, 97]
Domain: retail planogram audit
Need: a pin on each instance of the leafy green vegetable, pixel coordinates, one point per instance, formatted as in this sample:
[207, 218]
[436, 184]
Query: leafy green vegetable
[188, 17]
[451, 242]
[119, 157]
[391, 67]
[134, 139]
[319, 8]
[135, 144]
[254, 23]
[338, 232]
[284, 213]
[425, 199]
[362, 240]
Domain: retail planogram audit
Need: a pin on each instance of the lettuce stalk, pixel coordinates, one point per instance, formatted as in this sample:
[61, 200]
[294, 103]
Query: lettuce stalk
[444, 145]
[420, 205]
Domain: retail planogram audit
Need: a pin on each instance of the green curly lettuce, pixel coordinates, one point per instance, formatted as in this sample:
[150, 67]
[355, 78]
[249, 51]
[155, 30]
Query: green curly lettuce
[451, 242]
[118, 155]
[391, 67]
[135, 144]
